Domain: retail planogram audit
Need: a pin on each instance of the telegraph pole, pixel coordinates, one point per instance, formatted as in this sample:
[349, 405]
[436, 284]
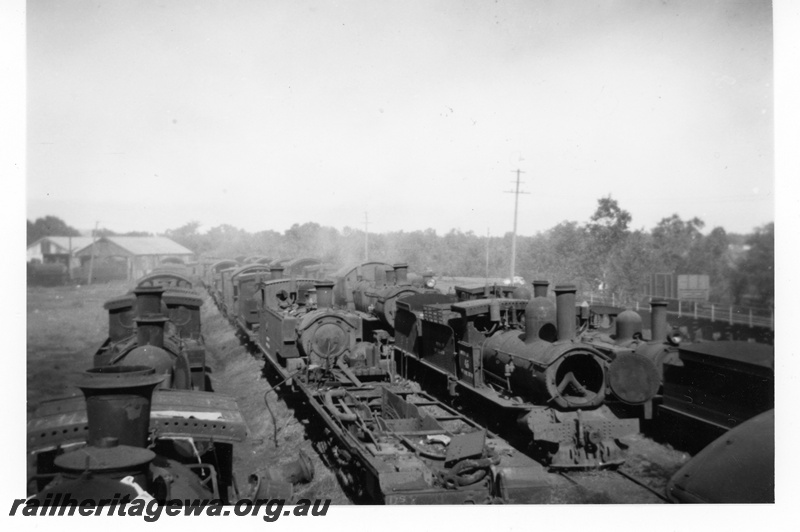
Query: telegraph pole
[366, 236]
[516, 193]
[91, 259]
[487, 256]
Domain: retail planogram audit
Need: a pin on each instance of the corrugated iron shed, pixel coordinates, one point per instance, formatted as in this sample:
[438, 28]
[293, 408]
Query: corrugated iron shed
[141, 245]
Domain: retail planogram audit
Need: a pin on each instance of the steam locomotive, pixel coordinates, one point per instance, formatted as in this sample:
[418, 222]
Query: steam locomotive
[390, 443]
[126, 437]
[158, 325]
[520, 366]
[144, 427]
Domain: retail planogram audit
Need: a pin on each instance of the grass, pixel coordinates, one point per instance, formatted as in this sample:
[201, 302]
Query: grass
[65, 325]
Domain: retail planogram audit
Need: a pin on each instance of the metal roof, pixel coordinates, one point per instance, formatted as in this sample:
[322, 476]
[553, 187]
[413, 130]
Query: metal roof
[149, 245]
[146, 245]
[78, 242]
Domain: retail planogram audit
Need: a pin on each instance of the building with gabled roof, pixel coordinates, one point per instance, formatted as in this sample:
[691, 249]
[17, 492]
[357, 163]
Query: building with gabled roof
[134, 255]
[57, 249]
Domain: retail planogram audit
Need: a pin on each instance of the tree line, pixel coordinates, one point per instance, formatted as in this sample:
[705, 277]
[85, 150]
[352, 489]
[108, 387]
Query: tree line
[602, 254]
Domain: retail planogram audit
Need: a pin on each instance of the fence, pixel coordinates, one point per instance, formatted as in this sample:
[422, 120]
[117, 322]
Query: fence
[731, 314]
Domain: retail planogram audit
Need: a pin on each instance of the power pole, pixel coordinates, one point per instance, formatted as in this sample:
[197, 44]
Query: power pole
[516, 193]
[487, 255]
[91, 259]
[366, 236]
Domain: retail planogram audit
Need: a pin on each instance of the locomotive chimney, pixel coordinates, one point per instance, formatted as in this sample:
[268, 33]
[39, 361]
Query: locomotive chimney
[565, 309]
[380, 276]
[324, 294]
[401, 271]
[118, 402]
[540, 288]
[148, 300]
[658, 320]
[150, 322]
[391, 277]
[276, 272]
[540, 316]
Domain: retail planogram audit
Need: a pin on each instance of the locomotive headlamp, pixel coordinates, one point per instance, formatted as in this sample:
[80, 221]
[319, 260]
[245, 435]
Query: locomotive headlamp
[430, 283]
[674, 337]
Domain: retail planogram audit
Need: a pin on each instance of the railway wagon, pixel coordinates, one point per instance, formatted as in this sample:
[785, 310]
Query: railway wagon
[713, 387]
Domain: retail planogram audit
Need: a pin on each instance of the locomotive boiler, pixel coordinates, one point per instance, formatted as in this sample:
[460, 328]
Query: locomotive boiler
[521, 367]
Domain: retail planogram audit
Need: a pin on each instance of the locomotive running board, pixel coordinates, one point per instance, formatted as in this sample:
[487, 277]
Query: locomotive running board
[174, 413]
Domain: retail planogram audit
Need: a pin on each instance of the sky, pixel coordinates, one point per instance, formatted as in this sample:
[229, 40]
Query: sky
[150, 114]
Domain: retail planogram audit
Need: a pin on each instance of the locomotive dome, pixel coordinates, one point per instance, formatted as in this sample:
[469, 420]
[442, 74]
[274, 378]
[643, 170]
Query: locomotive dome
[148, 355]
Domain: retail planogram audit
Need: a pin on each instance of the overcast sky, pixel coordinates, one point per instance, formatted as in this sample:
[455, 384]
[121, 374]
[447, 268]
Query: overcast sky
[146, 115]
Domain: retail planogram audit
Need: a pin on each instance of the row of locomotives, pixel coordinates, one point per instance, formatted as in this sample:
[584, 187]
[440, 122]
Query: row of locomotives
[373, 289]
[242, 297]
[388, 442]
[518, 366]
[128, 438]
[157, 327]
[212, 278]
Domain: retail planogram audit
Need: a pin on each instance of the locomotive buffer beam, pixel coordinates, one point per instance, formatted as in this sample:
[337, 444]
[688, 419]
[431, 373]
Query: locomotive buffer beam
[584, 439]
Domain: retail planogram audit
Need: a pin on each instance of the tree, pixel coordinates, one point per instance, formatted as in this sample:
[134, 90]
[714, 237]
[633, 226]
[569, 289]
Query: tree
[674, 238]
[754, 277]
[710, 255]
[49, 226]
[607, 230]
[187, 236]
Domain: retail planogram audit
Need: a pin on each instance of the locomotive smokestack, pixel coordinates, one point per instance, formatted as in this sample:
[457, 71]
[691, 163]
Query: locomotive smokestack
[276, 272]
[565, 309]
[658, 320]
[148, 300]
[150, 331]
[540, 288]
[540, 316]
[118, 402]
[324, 294]
[401, 271]
[150, 321]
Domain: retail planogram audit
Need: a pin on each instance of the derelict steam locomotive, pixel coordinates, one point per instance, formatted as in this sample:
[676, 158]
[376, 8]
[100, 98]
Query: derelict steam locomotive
[389, 442]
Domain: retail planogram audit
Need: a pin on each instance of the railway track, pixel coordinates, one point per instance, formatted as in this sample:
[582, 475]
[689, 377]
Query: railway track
[612, 486]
